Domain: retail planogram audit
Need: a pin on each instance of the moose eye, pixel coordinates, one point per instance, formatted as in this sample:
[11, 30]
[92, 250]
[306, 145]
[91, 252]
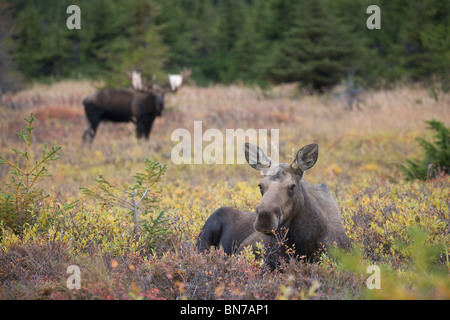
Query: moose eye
[292, 187]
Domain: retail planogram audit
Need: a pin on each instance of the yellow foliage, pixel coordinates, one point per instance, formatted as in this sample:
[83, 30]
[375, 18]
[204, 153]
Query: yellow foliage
[371, 167]
[333, 170]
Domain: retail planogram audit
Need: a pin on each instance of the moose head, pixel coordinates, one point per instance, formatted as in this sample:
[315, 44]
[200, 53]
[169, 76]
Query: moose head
[175, 81]
[279, 186]
[308, 213]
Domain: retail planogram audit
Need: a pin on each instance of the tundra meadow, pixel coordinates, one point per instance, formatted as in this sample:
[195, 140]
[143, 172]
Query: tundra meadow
[118, 219]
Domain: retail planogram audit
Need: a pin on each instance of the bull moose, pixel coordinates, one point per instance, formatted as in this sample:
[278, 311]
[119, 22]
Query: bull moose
[307, 214]
[141, 104]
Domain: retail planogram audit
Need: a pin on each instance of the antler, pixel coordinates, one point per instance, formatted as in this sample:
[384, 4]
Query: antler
[135, 79]
[174, 83]
[177, 80]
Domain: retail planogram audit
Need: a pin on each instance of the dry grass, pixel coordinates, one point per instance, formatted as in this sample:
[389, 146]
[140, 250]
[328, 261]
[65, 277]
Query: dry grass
[381, 133]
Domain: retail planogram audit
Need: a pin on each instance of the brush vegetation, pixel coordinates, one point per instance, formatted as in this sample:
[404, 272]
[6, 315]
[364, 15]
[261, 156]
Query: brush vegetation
[133, 235]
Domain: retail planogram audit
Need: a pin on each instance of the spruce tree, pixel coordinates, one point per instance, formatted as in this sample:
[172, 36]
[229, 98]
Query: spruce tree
[252, 44]
[139, 45]
[419, 15]
[437, 154]
[28, 41]
[316, 49]
[230, 23]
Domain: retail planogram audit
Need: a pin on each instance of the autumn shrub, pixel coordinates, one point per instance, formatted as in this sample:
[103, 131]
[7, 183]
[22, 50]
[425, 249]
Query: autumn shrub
[378, 214]
[424, 276]
[31, 270]
[58, 113]
[185, 273]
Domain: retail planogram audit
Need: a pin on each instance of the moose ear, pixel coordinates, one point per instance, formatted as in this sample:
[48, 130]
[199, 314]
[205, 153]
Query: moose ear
[255, 157]
[306, 158]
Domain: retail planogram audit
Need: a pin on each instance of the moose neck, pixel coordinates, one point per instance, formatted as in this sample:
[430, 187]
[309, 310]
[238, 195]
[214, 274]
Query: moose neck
[305, 228]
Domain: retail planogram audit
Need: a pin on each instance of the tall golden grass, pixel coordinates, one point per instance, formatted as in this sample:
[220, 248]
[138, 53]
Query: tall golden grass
[376, 136]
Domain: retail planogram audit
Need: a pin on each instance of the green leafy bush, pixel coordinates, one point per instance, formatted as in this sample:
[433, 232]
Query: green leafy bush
[437, 154]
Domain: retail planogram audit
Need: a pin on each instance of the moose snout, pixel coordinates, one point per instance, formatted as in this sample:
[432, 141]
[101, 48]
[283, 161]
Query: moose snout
[267, 219]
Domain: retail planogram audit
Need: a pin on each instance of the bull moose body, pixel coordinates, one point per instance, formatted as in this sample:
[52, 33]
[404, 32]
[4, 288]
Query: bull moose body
[141, 104]
[122, 105]
[307, 214]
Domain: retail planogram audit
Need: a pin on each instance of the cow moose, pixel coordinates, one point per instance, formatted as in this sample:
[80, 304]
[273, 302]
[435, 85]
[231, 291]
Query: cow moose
[307, 214]
[140, 104]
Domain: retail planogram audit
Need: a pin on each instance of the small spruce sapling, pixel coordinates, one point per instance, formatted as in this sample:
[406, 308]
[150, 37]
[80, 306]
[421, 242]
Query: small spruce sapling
[20, 197]
[139, 200]
[437, 154]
